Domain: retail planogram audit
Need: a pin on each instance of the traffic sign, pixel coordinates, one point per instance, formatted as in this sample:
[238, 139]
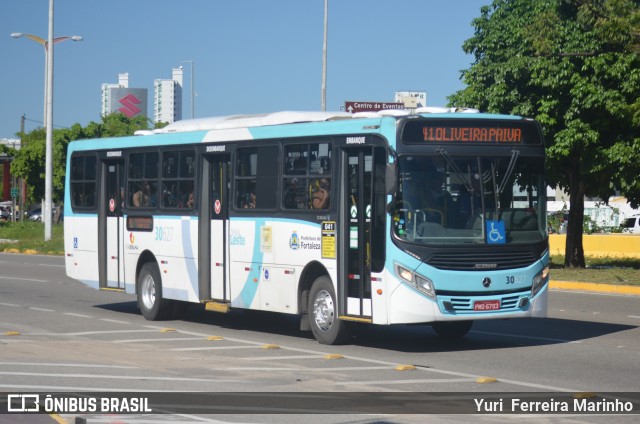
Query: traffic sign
[14, 192]
[353, 107]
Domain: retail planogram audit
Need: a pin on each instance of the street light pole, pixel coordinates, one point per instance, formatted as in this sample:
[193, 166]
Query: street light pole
[48, 116]
[44, 43]
[324, 57]
[48, 169]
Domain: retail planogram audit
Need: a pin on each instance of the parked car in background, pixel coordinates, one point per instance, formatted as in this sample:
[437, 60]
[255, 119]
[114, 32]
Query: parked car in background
[5, 212]
[36, 214]
[631, 225]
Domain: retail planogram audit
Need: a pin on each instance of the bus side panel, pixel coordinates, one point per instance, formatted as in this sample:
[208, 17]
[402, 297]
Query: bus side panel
[174, 242]
[246, 259]
[81, 243]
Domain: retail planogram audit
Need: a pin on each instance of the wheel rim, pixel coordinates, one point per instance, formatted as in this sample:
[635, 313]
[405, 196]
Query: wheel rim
[323, 310]
[148, 290]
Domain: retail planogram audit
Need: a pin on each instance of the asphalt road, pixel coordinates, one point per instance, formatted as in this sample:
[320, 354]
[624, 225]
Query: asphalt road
[58, 335]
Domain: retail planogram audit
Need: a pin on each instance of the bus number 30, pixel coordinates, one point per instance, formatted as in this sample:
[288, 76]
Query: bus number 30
[513, 279]
[164, 233]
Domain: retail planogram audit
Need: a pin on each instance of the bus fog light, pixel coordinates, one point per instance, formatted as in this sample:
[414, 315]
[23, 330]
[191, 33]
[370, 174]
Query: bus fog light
[425, 286]
[540, 280]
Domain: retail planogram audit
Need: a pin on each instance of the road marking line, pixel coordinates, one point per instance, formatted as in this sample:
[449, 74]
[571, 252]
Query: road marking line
[302, 369]
[187, 349]
[115, 321]
[103, 376]
[276, 358]
[24, 279]
[51, 364]
[634, 316]
[41, 309]
[10, 304]
[89, 333]
[421, 380]
[155, 340]
[71, 314]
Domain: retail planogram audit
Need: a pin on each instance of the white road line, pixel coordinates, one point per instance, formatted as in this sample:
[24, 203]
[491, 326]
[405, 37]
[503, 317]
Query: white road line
[48, 364]
[304, 369]
[114, 321]
[634, 316]
[173, 339]
[110, 377]
[387, 382]
[10, 304]
[275, 358]
[77, 388]
[188, 349]
[71, 314]
[88, 333]
[41, 309]
[24, 279]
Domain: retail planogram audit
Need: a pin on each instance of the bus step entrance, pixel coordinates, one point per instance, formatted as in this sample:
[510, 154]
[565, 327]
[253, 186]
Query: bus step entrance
[216, 307]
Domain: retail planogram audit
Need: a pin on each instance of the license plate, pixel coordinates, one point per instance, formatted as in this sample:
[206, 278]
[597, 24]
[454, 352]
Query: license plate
[486, 305]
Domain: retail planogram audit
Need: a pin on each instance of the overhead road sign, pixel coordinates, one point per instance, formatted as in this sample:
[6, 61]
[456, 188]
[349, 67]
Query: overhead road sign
[353, 107]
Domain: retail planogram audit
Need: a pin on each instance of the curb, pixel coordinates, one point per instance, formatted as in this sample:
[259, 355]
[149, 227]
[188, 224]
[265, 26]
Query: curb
[595, 287]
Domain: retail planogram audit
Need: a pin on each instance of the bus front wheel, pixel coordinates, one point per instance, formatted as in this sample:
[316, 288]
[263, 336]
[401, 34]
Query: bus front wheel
[452, 329]
[149, 290]
[327, 328]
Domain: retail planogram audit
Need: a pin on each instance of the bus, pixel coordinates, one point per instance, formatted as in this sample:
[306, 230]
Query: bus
[434, 217]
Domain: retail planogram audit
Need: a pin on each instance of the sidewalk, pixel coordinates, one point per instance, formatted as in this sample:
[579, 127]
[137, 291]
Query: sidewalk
[595, 287]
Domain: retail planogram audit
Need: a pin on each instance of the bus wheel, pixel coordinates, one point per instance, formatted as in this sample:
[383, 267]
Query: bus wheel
[452, 329]
[323, 314]
[150, 301]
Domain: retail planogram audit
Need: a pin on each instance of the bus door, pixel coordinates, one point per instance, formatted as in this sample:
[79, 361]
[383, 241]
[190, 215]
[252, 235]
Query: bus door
[111, 225]
[214, 221]
[356, 208]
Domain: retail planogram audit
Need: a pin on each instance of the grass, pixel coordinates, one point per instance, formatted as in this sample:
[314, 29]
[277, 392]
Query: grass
[29, 238]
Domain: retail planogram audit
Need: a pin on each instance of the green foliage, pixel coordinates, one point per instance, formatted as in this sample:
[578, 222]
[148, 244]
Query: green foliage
[574, 66]
[29, 161]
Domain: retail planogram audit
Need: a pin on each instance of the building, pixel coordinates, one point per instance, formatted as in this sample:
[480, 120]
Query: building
[167, 93]
[120, 98]
[6, 182]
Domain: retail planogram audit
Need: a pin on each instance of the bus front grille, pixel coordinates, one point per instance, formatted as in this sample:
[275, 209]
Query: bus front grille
[488, 261]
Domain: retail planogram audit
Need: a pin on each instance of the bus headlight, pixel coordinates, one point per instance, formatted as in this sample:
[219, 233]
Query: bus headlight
[422, 284]
[540, 280]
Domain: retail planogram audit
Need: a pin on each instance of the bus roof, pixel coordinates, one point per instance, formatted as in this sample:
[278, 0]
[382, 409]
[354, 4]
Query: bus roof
[287, 117]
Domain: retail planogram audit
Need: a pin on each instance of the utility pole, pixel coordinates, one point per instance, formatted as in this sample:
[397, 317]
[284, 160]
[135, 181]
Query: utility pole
[23, 186]
[324, 57]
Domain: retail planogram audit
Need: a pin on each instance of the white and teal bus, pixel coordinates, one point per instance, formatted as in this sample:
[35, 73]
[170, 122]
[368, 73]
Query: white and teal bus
[384, 218]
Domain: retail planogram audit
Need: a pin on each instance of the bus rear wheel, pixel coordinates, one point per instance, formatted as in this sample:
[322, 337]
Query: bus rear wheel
[453, 329]
[149, 290]
[327, 328]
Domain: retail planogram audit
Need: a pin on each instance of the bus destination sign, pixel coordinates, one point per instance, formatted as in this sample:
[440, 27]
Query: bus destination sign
[449, 131]
[472, 134]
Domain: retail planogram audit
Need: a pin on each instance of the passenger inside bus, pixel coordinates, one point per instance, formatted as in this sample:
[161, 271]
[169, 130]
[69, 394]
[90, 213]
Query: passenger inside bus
[320, 194]
[141, 197]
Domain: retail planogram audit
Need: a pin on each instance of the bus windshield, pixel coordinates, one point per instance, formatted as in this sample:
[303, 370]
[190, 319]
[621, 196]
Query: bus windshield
[444, 199]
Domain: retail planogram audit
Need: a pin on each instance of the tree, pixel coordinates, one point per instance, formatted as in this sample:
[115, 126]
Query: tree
[574, 66]
[29, 161]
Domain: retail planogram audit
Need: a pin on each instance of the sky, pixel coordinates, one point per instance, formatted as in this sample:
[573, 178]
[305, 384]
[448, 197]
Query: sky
[250, 56]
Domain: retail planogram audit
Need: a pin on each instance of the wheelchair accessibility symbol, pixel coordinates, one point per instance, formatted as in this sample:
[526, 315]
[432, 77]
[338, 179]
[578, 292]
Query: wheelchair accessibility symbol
[495, 232]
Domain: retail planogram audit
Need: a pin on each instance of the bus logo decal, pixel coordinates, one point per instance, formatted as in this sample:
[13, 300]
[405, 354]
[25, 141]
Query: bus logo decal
[294, 241]
[237, 239]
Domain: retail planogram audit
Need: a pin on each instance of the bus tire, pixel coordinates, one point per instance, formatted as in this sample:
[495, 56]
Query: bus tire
[149, 290]
[327, 328]
[452, 329]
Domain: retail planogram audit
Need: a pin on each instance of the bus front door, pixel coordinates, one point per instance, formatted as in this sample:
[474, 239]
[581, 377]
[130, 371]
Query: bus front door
[356, 229]
[214, 218]
[111, 226]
